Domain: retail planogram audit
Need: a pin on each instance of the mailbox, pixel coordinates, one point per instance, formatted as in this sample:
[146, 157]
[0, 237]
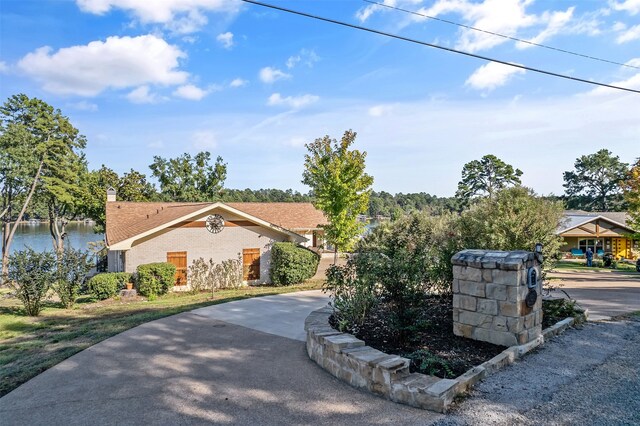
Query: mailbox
[532, 284]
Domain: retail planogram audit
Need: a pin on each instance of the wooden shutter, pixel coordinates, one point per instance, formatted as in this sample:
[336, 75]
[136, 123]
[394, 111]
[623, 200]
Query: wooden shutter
[251, 264]
[179, 259]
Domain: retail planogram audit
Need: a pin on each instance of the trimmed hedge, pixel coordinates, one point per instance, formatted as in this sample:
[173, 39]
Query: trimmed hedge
[108, 284]
[155, 279]
[292, 264]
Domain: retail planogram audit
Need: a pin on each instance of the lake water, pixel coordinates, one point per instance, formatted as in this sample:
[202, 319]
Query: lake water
[37, 236]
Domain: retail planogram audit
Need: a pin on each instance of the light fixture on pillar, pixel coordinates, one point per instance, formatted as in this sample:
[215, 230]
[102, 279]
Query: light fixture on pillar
[538, 248]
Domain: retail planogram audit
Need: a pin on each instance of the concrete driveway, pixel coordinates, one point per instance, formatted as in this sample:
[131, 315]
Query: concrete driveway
[605, 293]
[193, 368]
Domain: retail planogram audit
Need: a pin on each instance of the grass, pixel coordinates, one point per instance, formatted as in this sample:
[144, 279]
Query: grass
[31, 345]
[580, 265]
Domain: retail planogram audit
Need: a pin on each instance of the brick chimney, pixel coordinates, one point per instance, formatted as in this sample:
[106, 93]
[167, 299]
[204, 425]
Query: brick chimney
[111, 194]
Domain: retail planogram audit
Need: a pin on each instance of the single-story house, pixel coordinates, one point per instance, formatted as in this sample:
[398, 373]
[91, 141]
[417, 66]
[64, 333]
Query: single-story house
[144, 232]
[602, 232]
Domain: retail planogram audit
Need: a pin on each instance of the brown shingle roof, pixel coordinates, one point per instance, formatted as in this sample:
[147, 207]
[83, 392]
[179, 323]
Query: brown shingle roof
[291, 216]
[127, 219]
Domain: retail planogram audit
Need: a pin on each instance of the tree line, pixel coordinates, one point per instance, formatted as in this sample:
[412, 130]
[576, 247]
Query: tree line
[44, 174]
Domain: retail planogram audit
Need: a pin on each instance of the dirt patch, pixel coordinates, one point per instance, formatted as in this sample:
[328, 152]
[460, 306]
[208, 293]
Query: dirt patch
[432, 346]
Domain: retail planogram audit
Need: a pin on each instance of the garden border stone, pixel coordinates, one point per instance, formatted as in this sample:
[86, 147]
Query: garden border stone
[350, 360]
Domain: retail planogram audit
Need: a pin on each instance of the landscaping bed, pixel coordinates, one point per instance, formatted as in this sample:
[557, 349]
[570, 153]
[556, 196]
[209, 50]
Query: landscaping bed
[432, 347]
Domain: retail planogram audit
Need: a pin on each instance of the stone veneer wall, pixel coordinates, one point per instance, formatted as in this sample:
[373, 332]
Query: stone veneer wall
[350, 360]
[489, 291]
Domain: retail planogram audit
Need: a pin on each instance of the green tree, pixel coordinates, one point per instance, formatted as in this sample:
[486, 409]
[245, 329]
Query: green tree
[598, 177]
[132, 186]
[486, 176]
[631, 191]
[187, 178]
[32, 135]
[63, 190]
[514, 219]
[336, 175]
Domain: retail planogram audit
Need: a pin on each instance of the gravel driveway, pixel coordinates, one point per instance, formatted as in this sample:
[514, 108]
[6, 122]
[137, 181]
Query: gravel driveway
[587, 376]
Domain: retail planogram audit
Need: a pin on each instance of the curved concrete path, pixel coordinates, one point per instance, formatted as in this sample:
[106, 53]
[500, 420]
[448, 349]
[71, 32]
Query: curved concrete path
[193, 368]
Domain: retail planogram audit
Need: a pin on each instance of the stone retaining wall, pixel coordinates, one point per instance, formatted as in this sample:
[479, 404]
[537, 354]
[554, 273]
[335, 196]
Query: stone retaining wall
[350, 360]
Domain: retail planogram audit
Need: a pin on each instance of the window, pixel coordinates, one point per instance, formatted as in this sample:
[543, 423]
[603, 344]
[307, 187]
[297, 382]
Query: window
[595, 245]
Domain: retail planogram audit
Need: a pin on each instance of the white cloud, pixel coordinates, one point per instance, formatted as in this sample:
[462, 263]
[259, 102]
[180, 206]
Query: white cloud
[4, 68]
[630, 6]
[556, 23]
[84, 106]
[180, 16]
[156, 145]
[297, 142]
[631, 34]
[118, 62]
[632, 82]
[292, 101]
[238, 82]
[143, 95]
[225, 39]
[305, 56]
[190, 92]
[492, 75]
[204, 139]
[380, 110]
[507, 17]
[270, 75]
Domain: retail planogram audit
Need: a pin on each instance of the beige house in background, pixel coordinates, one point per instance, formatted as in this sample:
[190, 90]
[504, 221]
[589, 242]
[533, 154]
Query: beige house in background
[139, 233]
[602, 232]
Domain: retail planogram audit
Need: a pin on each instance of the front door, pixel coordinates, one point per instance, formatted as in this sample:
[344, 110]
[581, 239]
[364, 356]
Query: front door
[179, 259]
[251, 264]
[621, 248]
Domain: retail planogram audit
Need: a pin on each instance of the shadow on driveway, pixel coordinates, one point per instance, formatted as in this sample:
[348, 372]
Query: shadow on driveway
[190, 369]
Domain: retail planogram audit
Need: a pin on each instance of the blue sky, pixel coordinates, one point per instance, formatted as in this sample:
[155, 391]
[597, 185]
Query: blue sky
[142, 78]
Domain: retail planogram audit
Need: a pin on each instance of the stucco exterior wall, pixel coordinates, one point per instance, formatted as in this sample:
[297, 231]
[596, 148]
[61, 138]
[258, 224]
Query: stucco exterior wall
[198, 242]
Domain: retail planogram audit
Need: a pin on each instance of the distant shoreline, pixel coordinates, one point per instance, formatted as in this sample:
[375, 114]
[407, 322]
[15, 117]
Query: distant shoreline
[46, 221]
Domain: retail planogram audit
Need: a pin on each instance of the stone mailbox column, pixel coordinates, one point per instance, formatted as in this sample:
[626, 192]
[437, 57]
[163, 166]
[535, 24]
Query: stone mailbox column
[489, 296]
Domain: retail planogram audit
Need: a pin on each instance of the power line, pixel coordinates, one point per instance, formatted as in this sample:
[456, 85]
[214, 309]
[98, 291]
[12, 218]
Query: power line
[424, 43]
[557, 49]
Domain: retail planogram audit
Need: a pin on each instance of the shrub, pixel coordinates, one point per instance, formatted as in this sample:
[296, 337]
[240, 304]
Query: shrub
[514, 219]
[212, 276]
[292, 264]
[228, 273]
[155, 279]
[31, 274]
[72, 268]
[106, 285]
[393, 268]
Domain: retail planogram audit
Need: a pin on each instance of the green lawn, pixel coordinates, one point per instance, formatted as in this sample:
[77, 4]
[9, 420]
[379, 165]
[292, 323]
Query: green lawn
[581, 265]
[29, 346]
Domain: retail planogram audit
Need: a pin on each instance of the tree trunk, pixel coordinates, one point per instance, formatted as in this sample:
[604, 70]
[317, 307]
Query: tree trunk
[11, 230]
[56, 229]
[335, 255]
[5, 249]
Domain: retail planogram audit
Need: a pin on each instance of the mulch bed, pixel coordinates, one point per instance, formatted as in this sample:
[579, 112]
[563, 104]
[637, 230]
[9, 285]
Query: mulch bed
[432, 346]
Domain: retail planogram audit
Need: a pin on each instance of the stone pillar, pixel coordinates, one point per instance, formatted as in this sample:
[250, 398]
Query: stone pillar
[489, 296]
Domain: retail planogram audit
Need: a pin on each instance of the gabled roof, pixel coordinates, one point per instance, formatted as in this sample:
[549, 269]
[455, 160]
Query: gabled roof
[574, 218]
[126, 220]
